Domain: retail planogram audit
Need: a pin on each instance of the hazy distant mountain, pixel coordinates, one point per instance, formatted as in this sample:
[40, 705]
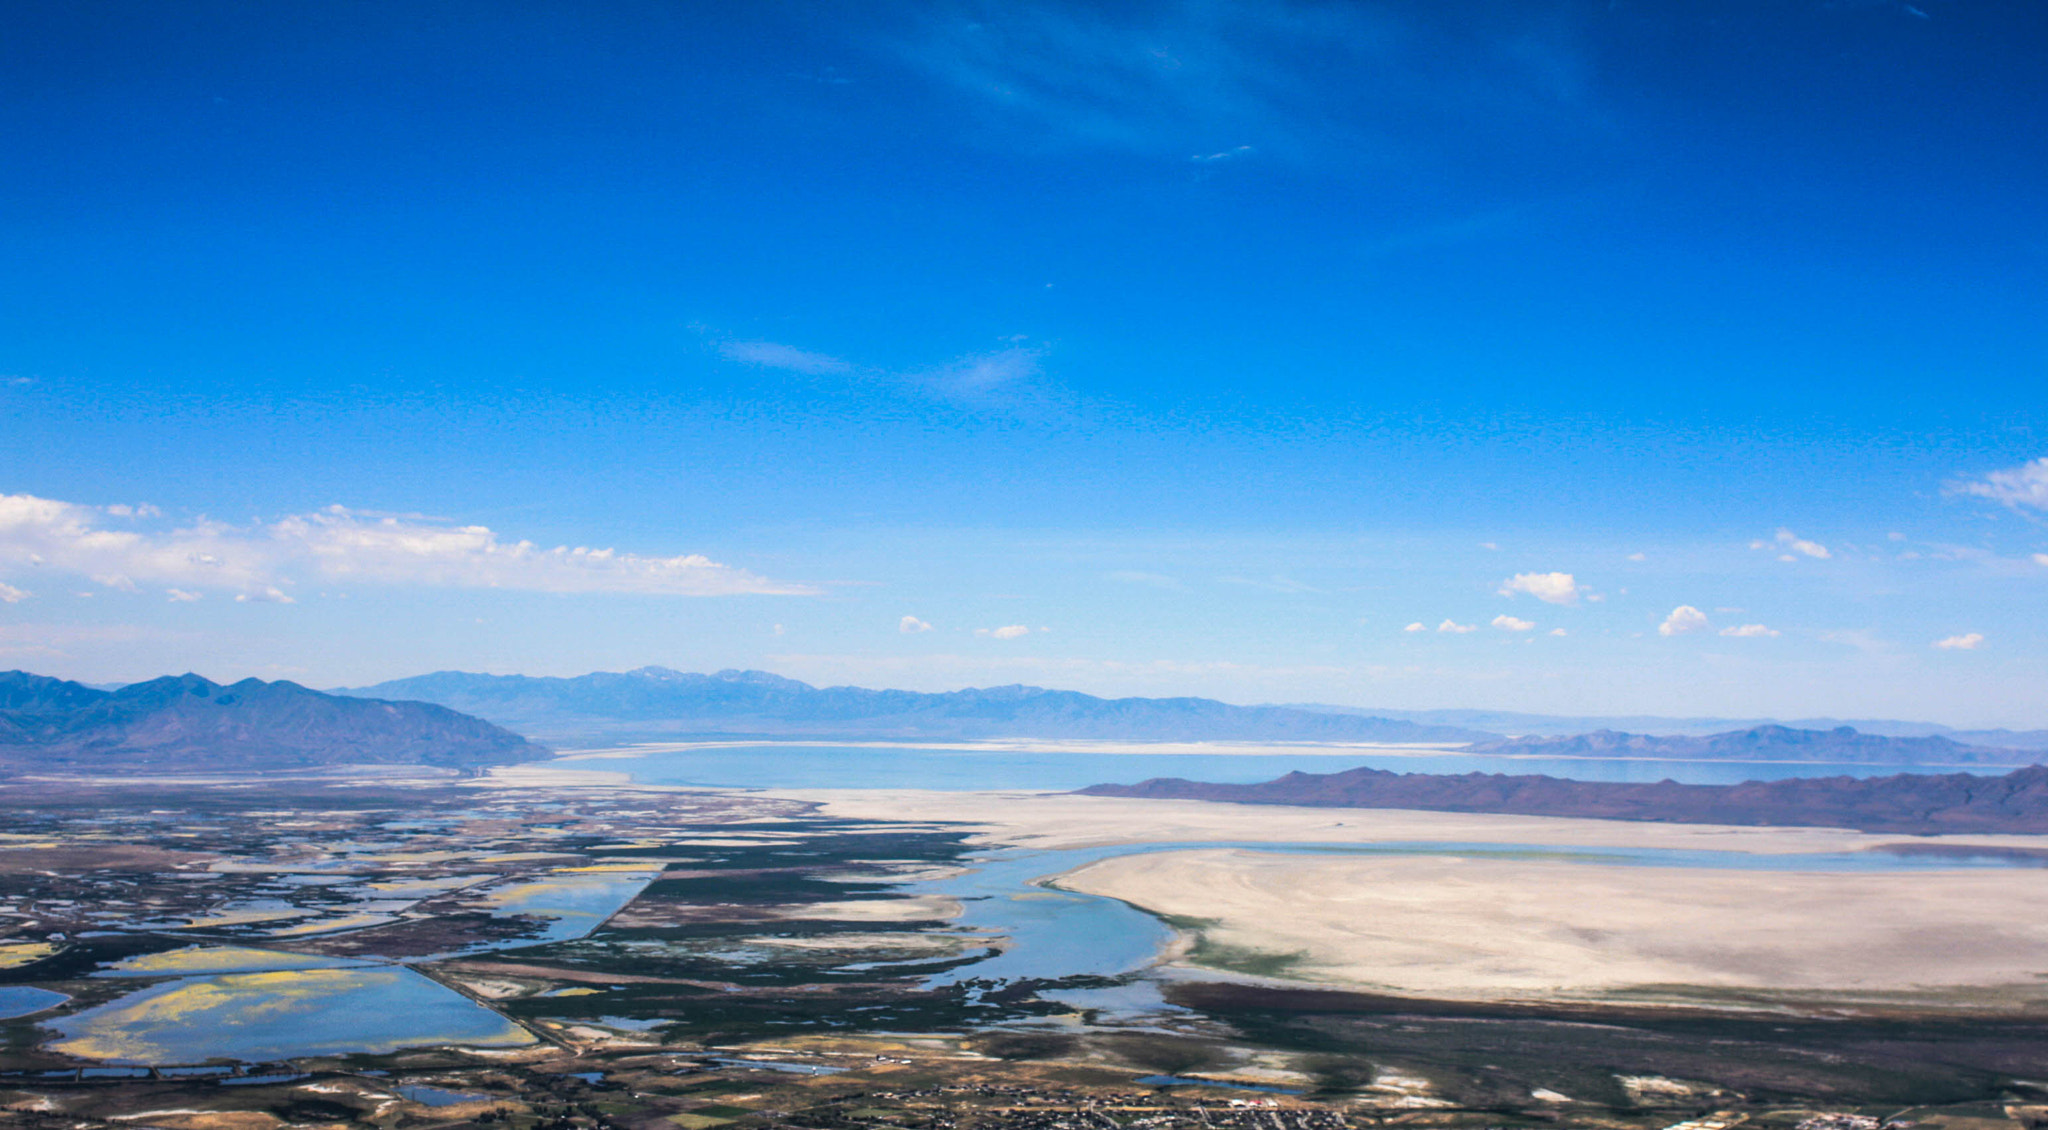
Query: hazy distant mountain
[1511, 722]
[1907, 803]
[189, 724]
[1842, 745]
[655, 701]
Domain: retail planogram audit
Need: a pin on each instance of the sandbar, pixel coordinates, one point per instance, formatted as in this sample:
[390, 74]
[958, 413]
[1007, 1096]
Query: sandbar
[1480, 928]
[1063, 820]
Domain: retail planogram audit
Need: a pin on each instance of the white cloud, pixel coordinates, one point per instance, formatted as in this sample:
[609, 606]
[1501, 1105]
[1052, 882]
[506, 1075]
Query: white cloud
[1454, 626]
[777, 629]
[1007, 632]
[1749, 631]
[2024, 486]
[771, 355]
[980, 378]
[1787, 540]
[1684, 618]
[1510, 624]
[1417, 626]
[1558, 632]
[268, 594]
[44, 535]
[1551, 588]
[1966, 642]
[911, 625]
[1638, 557]
[180, 596]
[2041, 559]
[11, 595]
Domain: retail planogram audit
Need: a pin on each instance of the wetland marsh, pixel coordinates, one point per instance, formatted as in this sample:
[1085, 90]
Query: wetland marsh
[210, 929]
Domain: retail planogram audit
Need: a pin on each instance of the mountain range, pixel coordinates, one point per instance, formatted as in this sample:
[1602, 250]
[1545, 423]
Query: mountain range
[184, 723]
[1558, 725]
[1842, 744]
[1915, 804]
[655, 702]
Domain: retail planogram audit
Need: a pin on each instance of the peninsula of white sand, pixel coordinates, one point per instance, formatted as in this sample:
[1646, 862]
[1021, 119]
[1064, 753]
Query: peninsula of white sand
[1475, 928]
[1483, 927]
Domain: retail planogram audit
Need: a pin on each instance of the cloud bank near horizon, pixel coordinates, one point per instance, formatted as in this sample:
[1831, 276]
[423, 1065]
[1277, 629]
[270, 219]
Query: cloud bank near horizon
[116, 548]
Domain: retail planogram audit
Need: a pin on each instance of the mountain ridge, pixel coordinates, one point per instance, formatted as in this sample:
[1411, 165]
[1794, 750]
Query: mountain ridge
[652, 701]
[190, 723]
[1842, 744]
[1558, 725]
[1907, 803]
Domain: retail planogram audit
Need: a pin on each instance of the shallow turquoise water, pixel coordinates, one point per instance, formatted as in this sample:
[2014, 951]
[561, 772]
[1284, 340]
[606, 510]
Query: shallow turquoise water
[828, 766]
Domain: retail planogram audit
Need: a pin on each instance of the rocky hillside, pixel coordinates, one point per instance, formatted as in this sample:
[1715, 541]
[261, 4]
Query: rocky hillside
[1917, 804]
[1842, 745]
[185, 723]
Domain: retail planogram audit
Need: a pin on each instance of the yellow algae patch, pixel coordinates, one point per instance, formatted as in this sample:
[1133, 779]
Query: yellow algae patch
[18, 954]
[193, 960]
[283, 1015]
[576, 992]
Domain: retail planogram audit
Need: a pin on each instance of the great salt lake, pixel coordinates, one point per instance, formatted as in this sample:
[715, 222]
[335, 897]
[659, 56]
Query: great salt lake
[784, 765]
[257, 1005]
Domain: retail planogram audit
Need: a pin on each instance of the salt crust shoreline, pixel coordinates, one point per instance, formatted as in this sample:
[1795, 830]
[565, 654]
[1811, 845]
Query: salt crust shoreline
[1490, 929]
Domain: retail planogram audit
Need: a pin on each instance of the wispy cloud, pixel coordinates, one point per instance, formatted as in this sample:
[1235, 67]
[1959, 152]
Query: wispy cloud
[1007, 379]
[2024, 487]
[981, 380]
[911, 625]
[1454, 626]
[1968, 641]
[1216, 78]
[1510, 624]
[1684, 618]
[264, 561]
[774, 355]
[1551, 588]
[11, 595]
[1791, 546]
[1007, 632]
[1749, 631]
[1417, 626]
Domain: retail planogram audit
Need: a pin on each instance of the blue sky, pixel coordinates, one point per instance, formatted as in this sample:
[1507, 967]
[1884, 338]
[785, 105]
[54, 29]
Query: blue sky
[1215, 344]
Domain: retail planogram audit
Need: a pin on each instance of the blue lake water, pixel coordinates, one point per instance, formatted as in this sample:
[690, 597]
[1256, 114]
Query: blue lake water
[285, 1014]
[789, 766]
[21, 1000]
